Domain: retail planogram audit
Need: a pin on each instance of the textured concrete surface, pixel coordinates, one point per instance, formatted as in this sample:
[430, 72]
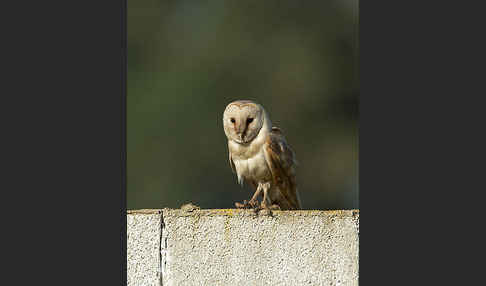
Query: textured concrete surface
[144, 228]
[239, 247]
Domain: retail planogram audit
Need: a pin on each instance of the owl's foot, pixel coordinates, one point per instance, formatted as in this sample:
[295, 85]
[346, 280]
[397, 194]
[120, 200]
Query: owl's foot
[267, 210]
[270, 207]
[257, 207]
[252, 204]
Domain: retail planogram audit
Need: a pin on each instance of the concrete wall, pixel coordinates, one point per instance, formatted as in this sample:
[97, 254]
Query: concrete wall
[239, 247]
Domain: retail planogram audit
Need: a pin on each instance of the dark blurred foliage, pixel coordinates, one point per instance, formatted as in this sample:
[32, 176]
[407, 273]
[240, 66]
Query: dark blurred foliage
[188, 59]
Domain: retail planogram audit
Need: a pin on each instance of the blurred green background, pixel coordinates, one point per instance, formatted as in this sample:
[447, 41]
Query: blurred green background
[188, 59]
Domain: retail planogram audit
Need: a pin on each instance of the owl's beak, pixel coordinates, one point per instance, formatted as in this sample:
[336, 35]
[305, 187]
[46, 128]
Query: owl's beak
[242, 132]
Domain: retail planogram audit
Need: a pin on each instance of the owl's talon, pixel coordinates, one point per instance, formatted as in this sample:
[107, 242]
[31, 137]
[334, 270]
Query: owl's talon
[253, 203]
[257, 208]
[267, 210]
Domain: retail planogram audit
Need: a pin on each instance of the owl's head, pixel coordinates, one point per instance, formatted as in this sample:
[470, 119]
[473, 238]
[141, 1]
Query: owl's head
[242, 120]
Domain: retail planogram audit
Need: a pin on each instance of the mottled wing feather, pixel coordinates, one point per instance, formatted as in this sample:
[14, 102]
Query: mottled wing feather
[281, 160]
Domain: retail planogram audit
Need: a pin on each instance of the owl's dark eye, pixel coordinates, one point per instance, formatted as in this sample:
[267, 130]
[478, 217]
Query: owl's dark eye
[249, 120]
[232, 120]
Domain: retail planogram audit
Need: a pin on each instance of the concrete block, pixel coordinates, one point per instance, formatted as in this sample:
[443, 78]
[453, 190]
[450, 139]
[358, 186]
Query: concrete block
[144, 229]
[239, 247]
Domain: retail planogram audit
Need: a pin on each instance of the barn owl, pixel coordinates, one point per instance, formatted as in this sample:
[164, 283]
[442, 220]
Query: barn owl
[260, 156]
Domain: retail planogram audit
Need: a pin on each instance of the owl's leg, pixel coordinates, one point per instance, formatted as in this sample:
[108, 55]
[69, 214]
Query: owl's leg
[266, 202]
[267, 207]
[254, 200]
[253, 203]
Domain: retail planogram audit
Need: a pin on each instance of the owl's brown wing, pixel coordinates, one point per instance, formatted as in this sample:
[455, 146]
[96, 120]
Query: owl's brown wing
[281, 160]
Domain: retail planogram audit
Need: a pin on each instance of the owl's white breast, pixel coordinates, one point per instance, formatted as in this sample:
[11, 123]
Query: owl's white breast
[253, 168]
[249, 160]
